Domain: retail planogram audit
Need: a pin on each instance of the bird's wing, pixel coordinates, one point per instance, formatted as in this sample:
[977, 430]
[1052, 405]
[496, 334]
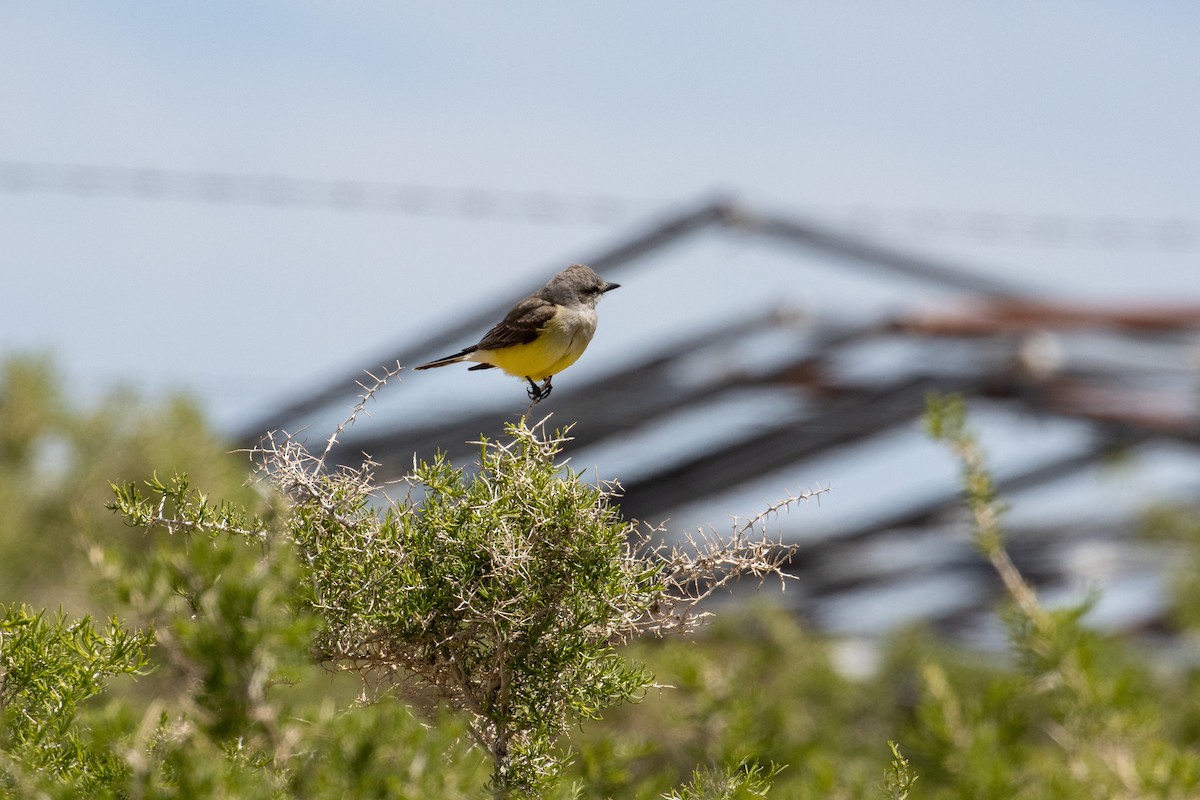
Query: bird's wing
[521, 325]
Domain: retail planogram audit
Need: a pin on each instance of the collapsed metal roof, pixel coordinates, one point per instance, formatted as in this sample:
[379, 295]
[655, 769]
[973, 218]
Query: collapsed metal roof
[1124, 377]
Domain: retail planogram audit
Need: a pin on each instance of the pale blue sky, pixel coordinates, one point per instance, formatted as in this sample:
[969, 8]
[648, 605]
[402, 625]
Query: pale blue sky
[1079, 109]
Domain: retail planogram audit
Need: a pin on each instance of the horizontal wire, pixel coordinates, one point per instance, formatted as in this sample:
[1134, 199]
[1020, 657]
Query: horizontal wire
[84, 180]
[1109, 232]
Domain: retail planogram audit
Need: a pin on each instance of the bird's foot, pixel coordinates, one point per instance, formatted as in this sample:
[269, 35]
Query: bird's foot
[539, 393]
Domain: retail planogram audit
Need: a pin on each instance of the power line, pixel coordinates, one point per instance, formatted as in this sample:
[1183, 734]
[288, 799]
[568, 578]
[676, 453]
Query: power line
[1043, 230]
[84, 180]
[1108, 231]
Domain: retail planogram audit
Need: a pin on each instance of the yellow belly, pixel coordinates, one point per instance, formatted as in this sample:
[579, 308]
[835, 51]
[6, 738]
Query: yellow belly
[559, 345]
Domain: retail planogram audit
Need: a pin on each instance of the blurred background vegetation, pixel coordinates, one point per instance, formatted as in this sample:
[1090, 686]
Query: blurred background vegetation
[1061, 712]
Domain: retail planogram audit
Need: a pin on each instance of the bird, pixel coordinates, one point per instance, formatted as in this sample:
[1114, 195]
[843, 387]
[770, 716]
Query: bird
[541, 335]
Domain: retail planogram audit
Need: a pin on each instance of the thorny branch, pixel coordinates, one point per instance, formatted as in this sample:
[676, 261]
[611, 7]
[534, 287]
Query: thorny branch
[368, 394]
[707, 563]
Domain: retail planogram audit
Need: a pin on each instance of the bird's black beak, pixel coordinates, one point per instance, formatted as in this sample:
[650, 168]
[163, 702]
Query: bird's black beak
[608, 287]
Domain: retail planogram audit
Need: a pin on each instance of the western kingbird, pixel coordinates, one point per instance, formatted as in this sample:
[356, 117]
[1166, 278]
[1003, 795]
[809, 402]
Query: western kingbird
[543, 334]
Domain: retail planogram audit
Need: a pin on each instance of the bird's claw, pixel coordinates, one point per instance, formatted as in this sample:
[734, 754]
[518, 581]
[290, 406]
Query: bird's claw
[539, 393]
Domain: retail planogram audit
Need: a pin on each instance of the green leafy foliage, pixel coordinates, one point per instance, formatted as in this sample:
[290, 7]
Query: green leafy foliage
[502, 592]
[342, 644]
[900, 779]
[48, 669]
[734, 784]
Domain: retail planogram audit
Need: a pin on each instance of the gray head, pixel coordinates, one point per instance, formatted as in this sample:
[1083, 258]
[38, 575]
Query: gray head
[576, 284]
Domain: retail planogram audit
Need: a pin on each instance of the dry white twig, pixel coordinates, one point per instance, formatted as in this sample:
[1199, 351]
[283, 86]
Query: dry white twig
[694, 572]
[369, 393]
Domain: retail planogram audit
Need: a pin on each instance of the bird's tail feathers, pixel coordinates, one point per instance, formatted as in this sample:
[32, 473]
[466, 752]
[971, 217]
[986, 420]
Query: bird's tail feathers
[454, 359]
